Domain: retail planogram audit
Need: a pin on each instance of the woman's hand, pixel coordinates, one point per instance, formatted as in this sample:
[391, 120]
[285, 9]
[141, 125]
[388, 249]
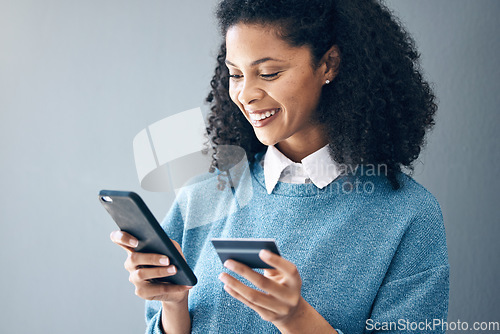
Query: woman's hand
[280, 300]
[281, 297]
[144, 267]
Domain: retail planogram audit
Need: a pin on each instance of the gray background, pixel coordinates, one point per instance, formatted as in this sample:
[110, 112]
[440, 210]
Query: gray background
[79, 79]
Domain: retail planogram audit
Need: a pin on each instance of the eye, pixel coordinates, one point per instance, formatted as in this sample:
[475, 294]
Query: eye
[235, 76]
[271, 76]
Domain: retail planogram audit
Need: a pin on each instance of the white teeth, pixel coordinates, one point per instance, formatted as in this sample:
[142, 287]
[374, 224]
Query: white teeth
[258, 117]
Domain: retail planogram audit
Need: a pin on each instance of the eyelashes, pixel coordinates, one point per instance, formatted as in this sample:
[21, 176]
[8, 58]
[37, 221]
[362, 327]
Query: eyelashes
[269, 77]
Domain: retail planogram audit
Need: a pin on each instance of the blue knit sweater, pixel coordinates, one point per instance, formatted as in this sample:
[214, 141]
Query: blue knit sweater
[371, 259]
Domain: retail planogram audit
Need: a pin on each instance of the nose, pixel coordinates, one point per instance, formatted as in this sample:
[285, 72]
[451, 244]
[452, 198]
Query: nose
[250, 92]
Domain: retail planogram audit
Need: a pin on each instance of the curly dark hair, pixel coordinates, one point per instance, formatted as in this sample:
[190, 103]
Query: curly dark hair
[377, 109]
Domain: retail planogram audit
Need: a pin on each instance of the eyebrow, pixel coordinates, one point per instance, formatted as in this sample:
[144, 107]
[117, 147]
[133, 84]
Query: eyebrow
[257, 62]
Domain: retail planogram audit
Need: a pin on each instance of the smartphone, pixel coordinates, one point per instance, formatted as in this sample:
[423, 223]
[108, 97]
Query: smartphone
[132, 215]
[244, 250]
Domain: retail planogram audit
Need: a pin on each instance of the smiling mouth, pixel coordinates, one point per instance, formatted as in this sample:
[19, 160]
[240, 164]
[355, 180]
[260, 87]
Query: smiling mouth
[256, 117]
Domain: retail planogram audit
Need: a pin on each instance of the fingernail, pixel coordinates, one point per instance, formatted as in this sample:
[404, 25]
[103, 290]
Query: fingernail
[222, 277]
[265, 254]
[134, 242]
[164, 260]
[171, 270]
[229, 265]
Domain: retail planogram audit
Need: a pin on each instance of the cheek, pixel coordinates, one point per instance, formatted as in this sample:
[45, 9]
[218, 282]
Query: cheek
[291, 93]
[233, 94]
[300, 96]
[307, 90]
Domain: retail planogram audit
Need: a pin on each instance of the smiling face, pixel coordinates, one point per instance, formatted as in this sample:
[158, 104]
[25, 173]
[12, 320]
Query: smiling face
[277, 88]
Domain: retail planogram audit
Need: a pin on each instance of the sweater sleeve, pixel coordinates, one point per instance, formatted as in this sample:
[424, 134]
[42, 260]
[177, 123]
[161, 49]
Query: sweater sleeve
[413, 297]
[153, 317]
[174, 227]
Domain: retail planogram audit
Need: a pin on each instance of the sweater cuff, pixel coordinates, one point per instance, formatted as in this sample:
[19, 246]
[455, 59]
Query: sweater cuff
[154, 325]
[339, 331]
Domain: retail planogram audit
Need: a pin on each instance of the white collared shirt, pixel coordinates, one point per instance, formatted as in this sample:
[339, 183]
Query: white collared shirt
[318, 168]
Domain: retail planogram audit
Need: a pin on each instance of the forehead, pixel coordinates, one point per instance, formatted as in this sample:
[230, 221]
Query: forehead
[249, 42]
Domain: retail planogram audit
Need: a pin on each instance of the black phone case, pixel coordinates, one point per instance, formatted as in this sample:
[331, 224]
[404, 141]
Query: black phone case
[131, 214]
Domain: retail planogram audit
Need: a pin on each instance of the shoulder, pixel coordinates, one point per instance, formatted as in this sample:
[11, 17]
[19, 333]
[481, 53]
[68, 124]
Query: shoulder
[202, 191]
[213, 184]
[411, 213]
[411, 199]
[418, 197]
[415, 221]
[211, 197]
[199, 184]
[424, 237]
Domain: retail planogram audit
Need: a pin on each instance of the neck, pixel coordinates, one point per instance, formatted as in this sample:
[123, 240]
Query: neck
[298, 151]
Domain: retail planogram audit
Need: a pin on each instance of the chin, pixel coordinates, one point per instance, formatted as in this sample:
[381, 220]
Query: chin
[266, 141]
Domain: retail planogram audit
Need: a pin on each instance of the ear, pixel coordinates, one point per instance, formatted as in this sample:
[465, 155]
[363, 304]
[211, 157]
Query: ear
[331, 63]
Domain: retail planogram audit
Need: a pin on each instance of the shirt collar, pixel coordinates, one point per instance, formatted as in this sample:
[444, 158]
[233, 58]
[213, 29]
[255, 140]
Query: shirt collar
[319, 166]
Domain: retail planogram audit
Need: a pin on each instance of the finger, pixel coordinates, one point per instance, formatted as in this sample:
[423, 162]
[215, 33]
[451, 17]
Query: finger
[253, 296]
[282, 265]
[146, 274]
[157, 291]
[136, 260]
[176, 244]
[261, 282]
[272, 273]
[124, 239]
[264, 313]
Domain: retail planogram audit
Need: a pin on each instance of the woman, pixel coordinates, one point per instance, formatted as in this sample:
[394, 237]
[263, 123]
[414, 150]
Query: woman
[327, 100]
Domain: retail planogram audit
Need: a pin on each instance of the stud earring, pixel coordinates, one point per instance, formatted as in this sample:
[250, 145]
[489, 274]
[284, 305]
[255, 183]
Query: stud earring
[327, 81]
